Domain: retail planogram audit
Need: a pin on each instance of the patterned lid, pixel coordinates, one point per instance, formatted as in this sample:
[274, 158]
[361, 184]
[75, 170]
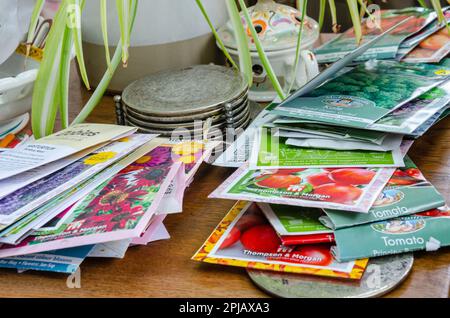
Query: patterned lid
[277, 26]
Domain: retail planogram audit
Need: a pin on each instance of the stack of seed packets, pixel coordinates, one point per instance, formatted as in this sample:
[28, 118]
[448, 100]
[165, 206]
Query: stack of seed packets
[416, 20]
[324, 176]
[246, 238]
[90, 191]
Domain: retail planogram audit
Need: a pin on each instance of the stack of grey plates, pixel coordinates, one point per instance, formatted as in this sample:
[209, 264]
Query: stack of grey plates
[183, 100]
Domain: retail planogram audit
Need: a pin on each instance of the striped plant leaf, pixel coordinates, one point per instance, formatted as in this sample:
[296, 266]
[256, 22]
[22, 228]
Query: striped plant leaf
[335, 26]
[75, 11]
[104, 23]
[262, 55]
[354, 14]
[245, 59]
[33, 23]
[216, 36]
[45, 92]
[123, 12]
[66, 57]
[299, 43]
[322, 9]
[106, 79]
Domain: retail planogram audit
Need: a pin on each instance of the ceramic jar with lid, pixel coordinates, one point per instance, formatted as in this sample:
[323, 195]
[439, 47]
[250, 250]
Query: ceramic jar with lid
[277, 26]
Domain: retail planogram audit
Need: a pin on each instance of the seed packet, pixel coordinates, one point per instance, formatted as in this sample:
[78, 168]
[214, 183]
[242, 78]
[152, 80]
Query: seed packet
[293, 125]
[387, 47]
[407, 192]
[414, 114]
[431, 50]
[238, 151]
[61, 261]
[271, 152]
[365, 94]
[118, 209]
[21, 202]
[244, 238]
[422, 129]
[424, 231]
[59, 145]
[289, 220]
[390, 143]
[289, 240]
[348, 189]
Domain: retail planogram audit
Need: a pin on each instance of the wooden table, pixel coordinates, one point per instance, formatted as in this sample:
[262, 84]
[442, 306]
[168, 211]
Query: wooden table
[164, 268]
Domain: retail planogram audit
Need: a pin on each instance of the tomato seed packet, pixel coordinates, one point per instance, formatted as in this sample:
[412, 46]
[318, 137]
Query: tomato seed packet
[387, 47]
[245, 238]
[272, 152]
[348, 189]
[289, 240]
[407, 192]
[363, 95]
[289, 220]
[424, 231]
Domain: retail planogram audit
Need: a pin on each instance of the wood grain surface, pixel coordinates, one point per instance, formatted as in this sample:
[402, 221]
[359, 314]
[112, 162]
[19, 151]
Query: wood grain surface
[164, 268]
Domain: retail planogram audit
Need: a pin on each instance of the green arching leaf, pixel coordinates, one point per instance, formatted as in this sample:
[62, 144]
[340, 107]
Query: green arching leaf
[75, 24]
[322, 9]
[104, 23]
[33, 23]
[354, 14]
[299, 43]
[262, 55]
[440, 13]
[245, 59]
[64, 77]
[103, 84]
[333, 12]
[422, 3]
[123, 12]
[216, 36]
[44, 100]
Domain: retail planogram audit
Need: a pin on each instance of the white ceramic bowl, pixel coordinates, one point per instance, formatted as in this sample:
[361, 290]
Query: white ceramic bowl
[17, 76]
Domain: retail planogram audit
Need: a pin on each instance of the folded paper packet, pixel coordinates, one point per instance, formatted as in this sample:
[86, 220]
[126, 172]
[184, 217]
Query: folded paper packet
[390, 143]
[244, 238]
[407, 192]
[424, 231]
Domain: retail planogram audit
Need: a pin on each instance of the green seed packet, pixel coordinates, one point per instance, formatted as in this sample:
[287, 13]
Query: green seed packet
[336, 132]
[387, 47]
[292, 220]
[271, 152]
[365, 94]
[425, 231]
[407, 192]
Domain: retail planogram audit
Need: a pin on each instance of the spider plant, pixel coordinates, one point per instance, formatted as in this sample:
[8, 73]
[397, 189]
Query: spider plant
[51, 90]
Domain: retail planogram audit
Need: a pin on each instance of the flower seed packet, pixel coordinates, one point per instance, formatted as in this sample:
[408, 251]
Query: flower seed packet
[424, 231]
[407, 192]
[348, 189]
[272, 152]
[387, 47]
[59, 145]
[365, 94]
[60, 261]
[245, 238]
[118, 209]
[21, 202]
